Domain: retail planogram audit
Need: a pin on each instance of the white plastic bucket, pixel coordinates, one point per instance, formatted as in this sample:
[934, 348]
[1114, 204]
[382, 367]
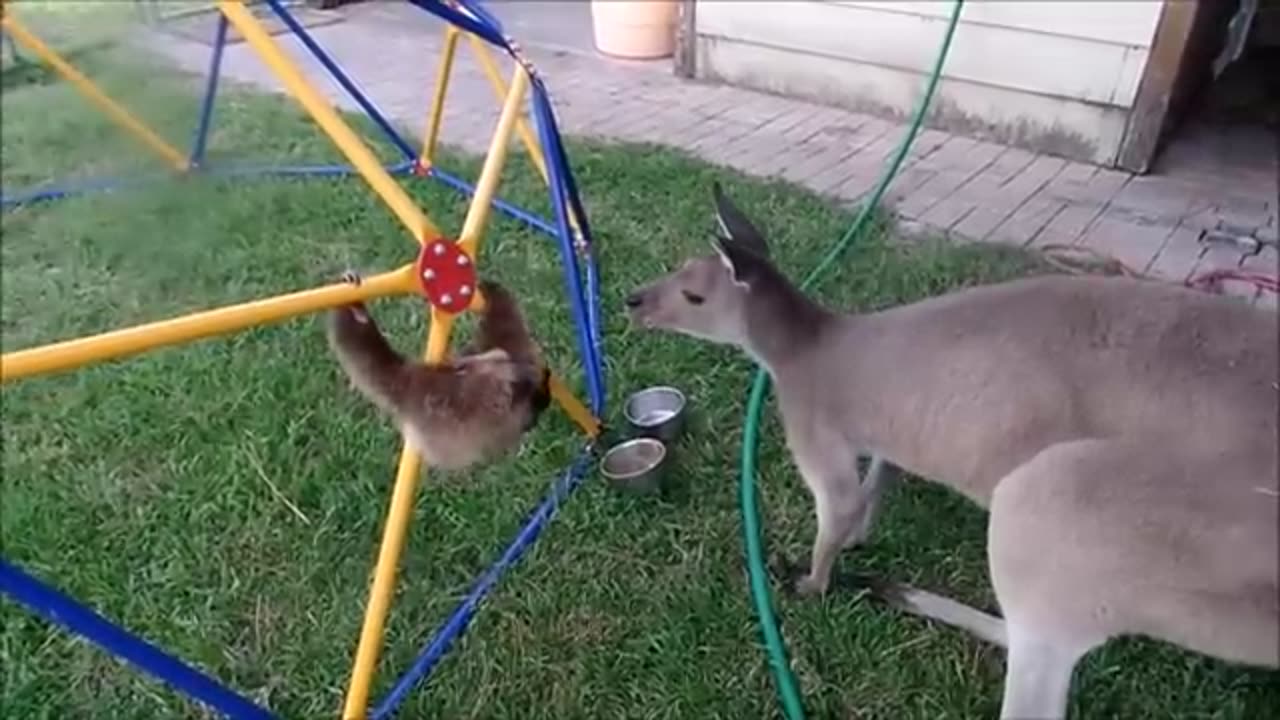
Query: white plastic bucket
[635, 29]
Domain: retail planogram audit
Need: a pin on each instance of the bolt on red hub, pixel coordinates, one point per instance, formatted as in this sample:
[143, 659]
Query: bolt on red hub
[447, 275]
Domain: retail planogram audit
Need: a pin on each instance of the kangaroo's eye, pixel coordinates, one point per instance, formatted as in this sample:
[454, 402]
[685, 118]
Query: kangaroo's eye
[693, 298]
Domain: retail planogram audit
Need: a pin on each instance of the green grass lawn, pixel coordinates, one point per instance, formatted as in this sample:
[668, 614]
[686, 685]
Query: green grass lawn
[144, 487]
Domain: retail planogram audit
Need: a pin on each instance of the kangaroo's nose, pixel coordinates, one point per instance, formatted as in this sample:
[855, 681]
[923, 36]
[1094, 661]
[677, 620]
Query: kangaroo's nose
[635, 300]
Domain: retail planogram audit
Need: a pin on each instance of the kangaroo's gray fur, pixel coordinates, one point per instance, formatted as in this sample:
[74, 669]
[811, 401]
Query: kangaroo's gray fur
[1122, 433]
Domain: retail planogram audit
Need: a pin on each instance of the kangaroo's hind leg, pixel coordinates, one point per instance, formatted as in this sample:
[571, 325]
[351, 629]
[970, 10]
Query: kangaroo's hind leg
[1049, 574]
[1037, 679]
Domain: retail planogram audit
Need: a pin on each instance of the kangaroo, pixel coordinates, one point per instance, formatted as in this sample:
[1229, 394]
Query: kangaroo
[1121, 433]
[459, 412]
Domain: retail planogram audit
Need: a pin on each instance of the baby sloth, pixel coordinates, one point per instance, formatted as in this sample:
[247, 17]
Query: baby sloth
[465, 409]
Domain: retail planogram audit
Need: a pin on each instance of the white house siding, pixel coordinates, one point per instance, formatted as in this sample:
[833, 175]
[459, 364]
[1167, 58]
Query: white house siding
[1052, 75]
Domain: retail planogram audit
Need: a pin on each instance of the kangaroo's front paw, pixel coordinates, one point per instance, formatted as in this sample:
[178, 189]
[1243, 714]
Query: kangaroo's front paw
[796, 579]
[810, 586]
[351, 277]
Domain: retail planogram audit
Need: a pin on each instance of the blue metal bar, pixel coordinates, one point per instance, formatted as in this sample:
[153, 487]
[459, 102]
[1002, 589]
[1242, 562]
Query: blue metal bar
[352, 89]
[75, 188]
[479, 10]
[592, 291]
[210, 93]
[105, 184]
[60, 609]
[322, 170]
[556, 155]
[593, 313]
[457, 623]
[569, 260]
[479, 28]
[541, 96]
[514, 211]
[32, 196]
[562, 180]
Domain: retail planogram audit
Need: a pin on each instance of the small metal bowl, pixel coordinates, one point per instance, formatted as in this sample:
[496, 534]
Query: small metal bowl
[656, 412]
[635, 465]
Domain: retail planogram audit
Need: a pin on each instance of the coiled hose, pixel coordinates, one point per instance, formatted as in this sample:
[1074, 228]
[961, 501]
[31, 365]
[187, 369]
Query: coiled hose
[788, 692]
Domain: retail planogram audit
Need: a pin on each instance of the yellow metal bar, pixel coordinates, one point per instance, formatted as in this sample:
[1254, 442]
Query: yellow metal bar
[393, 536]
[384, 579]
[398, 515]
[560, 392]
[574, 408]
[113, 110]
[443, 74]
[438, 343]
[333, 125]
[490, 68]
[491, 172]
[527, 136]
[514, 98]
[487, 185]
[57, 357]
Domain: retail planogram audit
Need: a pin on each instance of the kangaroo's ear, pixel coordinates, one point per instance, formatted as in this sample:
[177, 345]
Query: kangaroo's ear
[744, 265]
[735, 226]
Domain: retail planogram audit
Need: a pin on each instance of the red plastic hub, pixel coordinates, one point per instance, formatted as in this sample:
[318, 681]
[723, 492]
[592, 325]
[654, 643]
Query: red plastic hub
[447, 275]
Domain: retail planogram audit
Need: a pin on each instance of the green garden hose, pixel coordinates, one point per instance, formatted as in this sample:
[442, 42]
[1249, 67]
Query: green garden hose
[788, 693]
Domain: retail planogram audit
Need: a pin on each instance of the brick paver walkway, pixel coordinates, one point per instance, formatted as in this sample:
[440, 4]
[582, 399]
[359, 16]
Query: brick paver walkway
[967, 189]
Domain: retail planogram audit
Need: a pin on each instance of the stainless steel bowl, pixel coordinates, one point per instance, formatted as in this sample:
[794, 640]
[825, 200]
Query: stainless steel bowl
[635, 465]
[656, 412]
